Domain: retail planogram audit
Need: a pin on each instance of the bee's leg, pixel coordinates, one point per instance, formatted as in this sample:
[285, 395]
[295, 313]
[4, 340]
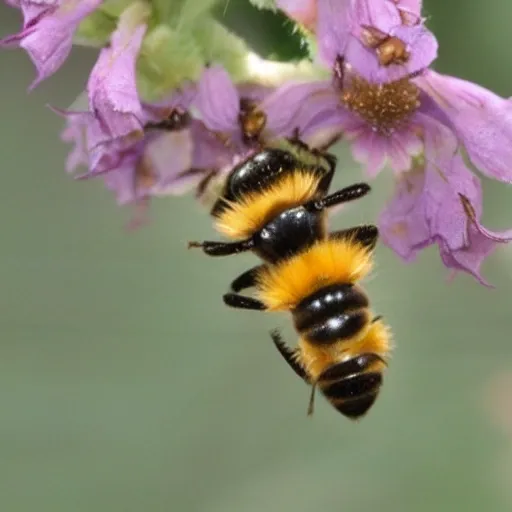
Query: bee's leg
[325, 182]
[288, 355]
[235, 300]
[341, 196]
[366, 234]
[223, 248]
[246, 280]
[311, 404]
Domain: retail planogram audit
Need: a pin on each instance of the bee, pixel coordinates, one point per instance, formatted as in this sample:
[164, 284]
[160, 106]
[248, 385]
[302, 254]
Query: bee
[275, 205]
[343, 347]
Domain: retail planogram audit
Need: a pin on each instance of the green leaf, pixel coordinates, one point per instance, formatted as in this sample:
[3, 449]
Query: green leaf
[270, 34]
[265, 4]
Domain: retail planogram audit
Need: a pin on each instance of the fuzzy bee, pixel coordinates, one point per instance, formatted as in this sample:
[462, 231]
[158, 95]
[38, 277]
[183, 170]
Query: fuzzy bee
[275, 204]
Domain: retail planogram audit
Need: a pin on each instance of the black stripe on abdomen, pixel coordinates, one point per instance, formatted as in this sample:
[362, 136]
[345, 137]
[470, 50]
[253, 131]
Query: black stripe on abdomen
[357, 407]
[337, 328]
[352, 387]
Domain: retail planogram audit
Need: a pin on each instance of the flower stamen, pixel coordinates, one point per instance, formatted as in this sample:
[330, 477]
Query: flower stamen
[389, 49]
[384, 106]
[252, 120]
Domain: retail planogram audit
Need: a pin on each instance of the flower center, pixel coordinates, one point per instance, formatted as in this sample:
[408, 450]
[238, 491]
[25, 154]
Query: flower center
[384, 106]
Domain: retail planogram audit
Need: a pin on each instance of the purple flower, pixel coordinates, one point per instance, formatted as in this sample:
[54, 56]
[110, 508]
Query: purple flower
[112, 89]
[153, 167]
[390, 123]
[481, 119]
[101, 153]
[243, 116]
[218, 101]
[169, 163]
[91, 145]
[209, 151]
[440, 203]
[74, 132]
[32, 11]
[47, 35]
[173, 155]
[382, 40]
[409, 8]
[150, 168]
[385, 123]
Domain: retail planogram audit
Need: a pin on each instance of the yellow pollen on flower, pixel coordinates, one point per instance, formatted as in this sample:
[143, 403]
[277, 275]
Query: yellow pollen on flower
[384, 106]
[252, 120]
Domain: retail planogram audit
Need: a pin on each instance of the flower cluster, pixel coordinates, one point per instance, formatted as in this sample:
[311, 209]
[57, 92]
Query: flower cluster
[173, 103]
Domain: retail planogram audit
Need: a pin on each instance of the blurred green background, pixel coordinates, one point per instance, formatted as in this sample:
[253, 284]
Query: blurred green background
[127, 385]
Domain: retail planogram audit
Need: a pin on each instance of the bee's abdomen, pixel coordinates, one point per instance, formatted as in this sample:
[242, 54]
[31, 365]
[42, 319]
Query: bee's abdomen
[333, 313]
[352, 386]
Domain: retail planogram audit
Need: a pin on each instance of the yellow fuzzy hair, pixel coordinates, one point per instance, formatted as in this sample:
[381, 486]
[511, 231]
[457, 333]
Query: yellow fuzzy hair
[375, 339]
[244, 218]
[281, 287]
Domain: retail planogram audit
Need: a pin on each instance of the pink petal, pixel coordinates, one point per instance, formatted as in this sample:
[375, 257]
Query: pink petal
[333, 29]
[380, 14]
[33, 10]
[104, 153]
[370, 149]
[469, 259]
[322, 117]
[402, 224]
[112, 88]
[440, 142]
[48, 40]
[400, 158]
[444, 182]
[254, 91]
[420, 43]
[411, 6]
[218, 100]
[482, 119]
[209, 152]
[180, 99]
[375, 150]
[169, 154]
[74, 132]
[292, 106]
[122, 182]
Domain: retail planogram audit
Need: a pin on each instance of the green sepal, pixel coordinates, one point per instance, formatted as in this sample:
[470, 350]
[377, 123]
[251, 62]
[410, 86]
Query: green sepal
[95, 29]
[219, 45]
[181, 13]
[167, 58]
[272, 35]
[114, 8]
